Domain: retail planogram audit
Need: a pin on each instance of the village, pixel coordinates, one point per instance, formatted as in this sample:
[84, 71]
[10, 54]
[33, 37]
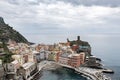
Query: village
[27, 58]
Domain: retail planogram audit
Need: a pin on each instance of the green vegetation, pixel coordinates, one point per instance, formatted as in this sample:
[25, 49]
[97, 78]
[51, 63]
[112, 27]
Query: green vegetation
[1, 45]
[51, 56]
[85, 46]
[82, 43]
[7, 32]
[78, 42]
[6, 58]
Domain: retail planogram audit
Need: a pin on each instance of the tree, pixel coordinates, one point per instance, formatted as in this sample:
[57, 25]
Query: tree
[7, 56]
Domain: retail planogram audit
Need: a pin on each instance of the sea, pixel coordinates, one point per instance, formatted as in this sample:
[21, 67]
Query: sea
[61, 74]
[106, 47]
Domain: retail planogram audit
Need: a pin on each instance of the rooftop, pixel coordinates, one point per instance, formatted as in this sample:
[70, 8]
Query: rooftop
[65, 54]
[28, 65]
[73, 55]
[35, 52]
[15, 62]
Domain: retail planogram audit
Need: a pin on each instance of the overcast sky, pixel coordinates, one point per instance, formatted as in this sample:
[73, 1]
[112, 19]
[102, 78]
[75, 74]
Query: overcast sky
[46, 21]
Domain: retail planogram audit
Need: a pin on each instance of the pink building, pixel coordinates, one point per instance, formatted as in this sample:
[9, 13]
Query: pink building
[75, 60]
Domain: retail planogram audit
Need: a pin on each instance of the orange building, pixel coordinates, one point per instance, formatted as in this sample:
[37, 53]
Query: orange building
[82, 58]
[25, 57]
[57, 56]
[63, 58]
[74, 60]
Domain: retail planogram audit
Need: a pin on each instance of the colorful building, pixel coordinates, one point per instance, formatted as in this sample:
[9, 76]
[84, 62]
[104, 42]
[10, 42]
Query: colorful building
[75, 60]
[63, 59]
[57, 56]
[86, 49]
[27, 70]
[51, 57]
[82, 58]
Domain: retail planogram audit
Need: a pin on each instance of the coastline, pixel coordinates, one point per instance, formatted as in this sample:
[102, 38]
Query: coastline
[85, 71]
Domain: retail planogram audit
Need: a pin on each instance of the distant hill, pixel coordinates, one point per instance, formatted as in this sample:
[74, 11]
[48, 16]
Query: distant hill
[7, 32]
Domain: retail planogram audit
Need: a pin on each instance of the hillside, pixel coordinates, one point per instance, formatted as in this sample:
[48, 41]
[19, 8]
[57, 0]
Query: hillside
[7, 32]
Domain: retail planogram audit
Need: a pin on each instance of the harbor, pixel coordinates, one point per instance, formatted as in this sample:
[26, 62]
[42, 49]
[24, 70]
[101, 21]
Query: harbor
[29, 60]
[93, 74]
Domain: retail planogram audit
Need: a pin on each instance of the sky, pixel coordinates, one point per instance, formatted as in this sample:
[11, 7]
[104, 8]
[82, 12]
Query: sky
[53, 21]
[50, 21]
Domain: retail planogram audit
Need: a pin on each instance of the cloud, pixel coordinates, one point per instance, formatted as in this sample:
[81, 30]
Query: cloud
[60, 17]
[112, 3]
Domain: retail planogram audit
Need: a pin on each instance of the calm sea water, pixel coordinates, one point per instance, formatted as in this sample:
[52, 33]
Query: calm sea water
[116, 75]
[105, 47]
[108, 49]
[61, 74]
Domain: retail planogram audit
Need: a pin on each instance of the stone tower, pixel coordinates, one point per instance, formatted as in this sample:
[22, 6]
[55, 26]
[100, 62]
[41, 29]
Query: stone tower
[78, 38]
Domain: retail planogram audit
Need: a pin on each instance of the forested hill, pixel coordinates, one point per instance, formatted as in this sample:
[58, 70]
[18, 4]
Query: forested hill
[7, 32]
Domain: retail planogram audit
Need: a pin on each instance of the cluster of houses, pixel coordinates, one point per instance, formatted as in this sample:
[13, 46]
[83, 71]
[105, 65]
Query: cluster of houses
[62, 53]
[27, 56]
[24, 61]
